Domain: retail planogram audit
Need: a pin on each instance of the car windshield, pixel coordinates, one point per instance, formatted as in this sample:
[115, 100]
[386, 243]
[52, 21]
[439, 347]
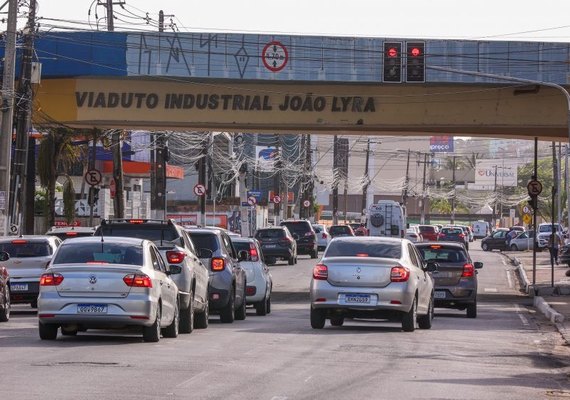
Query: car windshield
[335, 230]
[297, 227]
[204, 241]
[270, 234]
[424, 229]
[442, 254]
[317, 229]
[154, 233]
[239, 246]
[547, 228]
[26, 249]
[106, 253]
[452, 231]
[342, 248]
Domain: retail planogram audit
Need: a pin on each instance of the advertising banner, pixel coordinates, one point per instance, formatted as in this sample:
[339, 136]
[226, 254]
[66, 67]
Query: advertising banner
[506, 173]
[441, 144]
[265, 158]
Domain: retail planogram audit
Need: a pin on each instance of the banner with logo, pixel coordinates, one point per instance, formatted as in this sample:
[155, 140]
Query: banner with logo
[441, 144]
[265, 158]
[496, 173]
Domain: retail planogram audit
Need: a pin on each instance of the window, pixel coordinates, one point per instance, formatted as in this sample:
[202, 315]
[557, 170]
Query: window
[363, 249]
[442, 254]
[413, 256]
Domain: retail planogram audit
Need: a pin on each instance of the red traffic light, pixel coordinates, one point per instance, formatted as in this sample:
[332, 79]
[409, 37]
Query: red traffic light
[392, 52]
[416, 52]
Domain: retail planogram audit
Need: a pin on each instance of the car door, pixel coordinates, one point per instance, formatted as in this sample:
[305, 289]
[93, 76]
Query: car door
[237, 270]
[166, 286]
[423, 279]
[201, 274]
[499, 240]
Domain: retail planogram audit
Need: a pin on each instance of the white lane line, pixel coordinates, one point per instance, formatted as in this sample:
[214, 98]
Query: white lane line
[308, 379]
[279, 398]
[522, 317]
[509, 279]
[504, 262]
[490, 290]
[191, 381]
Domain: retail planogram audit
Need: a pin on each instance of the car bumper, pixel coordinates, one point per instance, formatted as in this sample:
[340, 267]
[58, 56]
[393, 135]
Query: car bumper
[305, 248]
[24, 296]
[277, 252]
[451, 296]
[260, 286]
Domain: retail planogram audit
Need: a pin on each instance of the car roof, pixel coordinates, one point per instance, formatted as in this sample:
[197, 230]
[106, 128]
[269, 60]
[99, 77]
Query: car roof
[375, 239]
[27, 237]
[60, 229]
[442, 243]
[106, 240]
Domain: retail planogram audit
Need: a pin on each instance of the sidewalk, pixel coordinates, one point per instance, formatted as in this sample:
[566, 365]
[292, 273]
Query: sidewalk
[552, 300]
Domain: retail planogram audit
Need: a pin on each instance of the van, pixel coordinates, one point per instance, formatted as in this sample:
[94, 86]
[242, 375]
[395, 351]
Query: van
[480, 229]
[387, 218]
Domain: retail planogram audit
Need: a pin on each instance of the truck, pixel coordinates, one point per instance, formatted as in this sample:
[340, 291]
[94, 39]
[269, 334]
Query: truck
[480, 229]
[387, 218]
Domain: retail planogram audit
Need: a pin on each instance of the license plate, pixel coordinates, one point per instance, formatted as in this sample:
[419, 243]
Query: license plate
[270, 246]
[357, 298]
[91, 308]
[439, 294]
[19, 287]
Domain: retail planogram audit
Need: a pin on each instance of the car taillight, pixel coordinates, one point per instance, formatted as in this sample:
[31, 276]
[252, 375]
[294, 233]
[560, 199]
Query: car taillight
[137, 280]
[399, 274]
[285, 242]
[218, 264]
[70, 233]
[308, 233]
[136, 221]
[468, 271]
[51, 279]
[324, 235]
[175, 257]
[19, 241]
[321, 272]
[461, 235]
[253, 252]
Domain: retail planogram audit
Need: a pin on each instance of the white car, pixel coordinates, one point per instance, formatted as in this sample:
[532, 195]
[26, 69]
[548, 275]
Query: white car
[259, 280]
[110, 282]
[323, 236]
[413, 236]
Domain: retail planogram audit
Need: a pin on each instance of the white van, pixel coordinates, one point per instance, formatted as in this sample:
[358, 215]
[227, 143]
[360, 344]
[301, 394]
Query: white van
[480, 229]
[387, 218]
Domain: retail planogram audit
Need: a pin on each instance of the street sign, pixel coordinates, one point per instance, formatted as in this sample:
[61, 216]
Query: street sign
[274, 56]
[199, 189]
[534, 188]
[93, 177]
[277, 199]
[306, 203]
[526, 210]
[113, 188]
[251, 200]
[527, 219]
[13, 229]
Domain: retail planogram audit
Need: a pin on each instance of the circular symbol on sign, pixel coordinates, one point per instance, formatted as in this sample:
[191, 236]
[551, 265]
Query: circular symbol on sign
[306, 203]
[251, 200]
[14, 228]
[534, 188]
[199, 190]
[526, 209]
[377, 220]
[93, 177]
[527, 219]
[274, 56]
[276, 199]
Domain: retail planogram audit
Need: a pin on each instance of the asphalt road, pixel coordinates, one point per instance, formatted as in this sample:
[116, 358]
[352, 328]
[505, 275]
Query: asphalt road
[508, 352]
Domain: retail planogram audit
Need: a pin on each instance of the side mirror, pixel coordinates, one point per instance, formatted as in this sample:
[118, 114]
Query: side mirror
[243, 255]
[431, 266]
[4, 256]
[295, 236]
[205, 253]
[175, 269]
[478, 265]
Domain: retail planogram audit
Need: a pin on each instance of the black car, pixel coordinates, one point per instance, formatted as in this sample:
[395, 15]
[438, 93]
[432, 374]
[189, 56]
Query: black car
[455, 281]
[496, 240]
[341, 230]
[304, 235]
[227, 278]
[453, 234]
[277, 242]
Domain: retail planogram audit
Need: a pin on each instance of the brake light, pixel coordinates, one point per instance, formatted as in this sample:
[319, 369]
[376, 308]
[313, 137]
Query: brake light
[468, 271]
[324, 235]
[361, 254]
[285, 242]
[175, 257]
[399, 274]
[70, 233]
[308, 233]
[320, 272]
[19, 241]
[461, 235]
[51, 279]
[137, 280]
[136, 221]
[435, 246]
[250, 290]
[253, 252]
[218, 264]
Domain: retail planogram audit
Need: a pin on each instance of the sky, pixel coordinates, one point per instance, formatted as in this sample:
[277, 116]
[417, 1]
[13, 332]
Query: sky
[524, 20]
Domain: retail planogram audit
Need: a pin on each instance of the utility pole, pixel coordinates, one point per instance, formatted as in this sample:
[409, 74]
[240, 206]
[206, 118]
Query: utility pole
[559, 184]
[406, 182]
[304, 180]
[495, 200]
[454, 192]
[309, 169]
[553, 232]
[7, 114]
[202, 181]
[91, 168]
[335, 182]
[423, 210]
[366, 182]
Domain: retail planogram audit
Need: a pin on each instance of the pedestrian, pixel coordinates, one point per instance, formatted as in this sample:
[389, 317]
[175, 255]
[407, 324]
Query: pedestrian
[510, 236]
[361, 230]
[554, 247]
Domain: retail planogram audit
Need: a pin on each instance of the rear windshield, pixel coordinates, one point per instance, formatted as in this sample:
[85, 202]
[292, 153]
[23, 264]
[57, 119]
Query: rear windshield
[26, 249]
[115, 253]
[150, 232]
[442, 254]
[297, 227]
[424, 229]
[270, 234]
[239, 246]
[205, 241]
[363, 249]
[333, 230]
[453, 231]
[317, 229]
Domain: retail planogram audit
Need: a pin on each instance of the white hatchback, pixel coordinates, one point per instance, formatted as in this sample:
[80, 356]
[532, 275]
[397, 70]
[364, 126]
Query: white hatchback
[323, 236]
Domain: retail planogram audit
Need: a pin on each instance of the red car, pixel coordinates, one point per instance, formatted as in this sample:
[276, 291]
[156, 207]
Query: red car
[429, 232]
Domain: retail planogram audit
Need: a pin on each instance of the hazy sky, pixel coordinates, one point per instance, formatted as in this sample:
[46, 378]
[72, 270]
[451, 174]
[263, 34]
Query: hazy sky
[532, 20]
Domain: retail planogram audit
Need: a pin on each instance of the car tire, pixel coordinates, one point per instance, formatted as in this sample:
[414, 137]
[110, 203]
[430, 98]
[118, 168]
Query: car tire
[187, 317]
[339, 321]
[269, 305]
[424, 321]
[484, 246]
[227, 314]
[241, 312]
[48, 331]
[318, 318]
[261, 307]
[314, 254]
[68, 332]
[409, 319]
[34, 304]
[5, 312]
[202, 319]
[514, 247]
[152, 333]
[472, 310]
[171, 331]
[291, 260]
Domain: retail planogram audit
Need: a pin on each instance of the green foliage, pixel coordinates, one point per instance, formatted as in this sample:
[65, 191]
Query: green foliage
[69, 200]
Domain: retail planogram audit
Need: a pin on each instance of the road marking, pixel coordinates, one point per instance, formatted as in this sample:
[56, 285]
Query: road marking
[490, 290]
[509, 279]
[522, 317]
[189, 382]
[504, 262]
[279, 398]
[308, 379]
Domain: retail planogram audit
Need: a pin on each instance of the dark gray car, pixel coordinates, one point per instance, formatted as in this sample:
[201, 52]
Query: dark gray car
[227, 278]
[456, 276]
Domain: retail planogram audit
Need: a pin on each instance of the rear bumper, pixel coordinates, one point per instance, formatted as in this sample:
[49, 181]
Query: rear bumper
[277, 252]
[24, 296]
[455, 296]
[306, 248]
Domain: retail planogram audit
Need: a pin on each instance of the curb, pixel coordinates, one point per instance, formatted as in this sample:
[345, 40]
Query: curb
[554, 316]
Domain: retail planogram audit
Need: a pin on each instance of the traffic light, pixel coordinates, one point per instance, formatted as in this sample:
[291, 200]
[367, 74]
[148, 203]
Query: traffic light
[415, 62]
[93, 196]
[392, 62]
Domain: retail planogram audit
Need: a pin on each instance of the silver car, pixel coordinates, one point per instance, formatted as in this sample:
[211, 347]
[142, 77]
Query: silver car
[29, 257]
[372, 277]
[523, 241]
[259, 280]
[111, 282]
[323, 236]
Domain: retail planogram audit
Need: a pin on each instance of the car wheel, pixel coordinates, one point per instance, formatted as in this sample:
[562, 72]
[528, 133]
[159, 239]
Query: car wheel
[472, 310]
[171, 331]
[34, 304]
[152, 333]
[202, 319]
[227, 315]
[261, 307]
[187, 316]
[409, 319]
[485, 246]
[424, 321]
[68, 332]
[241, 312]
[5, 312]
[514, 247]
[48, 331]
[314, 254]
[337, 321]
[269, 305]
[291, 260]
[318, 318]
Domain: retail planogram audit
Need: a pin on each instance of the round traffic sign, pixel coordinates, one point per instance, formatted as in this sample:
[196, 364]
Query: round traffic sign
[306, 203]
[274, 56]
[534, 188]
[199, 189]
[93, 177]
[277, 199]
[251, 200]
